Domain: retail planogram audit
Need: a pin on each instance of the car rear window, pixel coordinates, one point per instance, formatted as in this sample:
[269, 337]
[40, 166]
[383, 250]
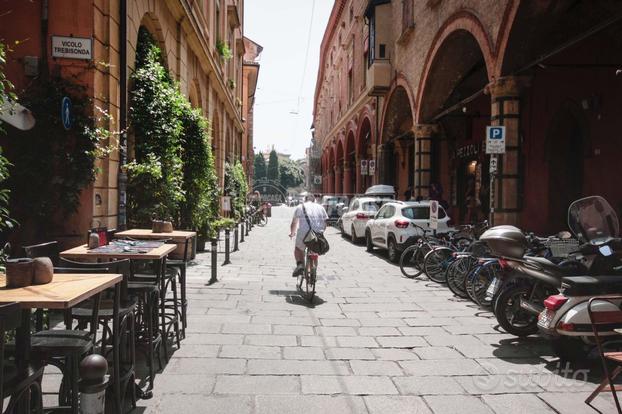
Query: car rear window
[375, 205]
[416, 213]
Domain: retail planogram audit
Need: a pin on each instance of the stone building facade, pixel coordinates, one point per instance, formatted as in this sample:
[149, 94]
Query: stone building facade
[189, 33]
[410, 86]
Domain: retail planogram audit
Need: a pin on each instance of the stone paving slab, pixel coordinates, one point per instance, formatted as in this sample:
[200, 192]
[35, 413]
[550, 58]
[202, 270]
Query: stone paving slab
[372, 342]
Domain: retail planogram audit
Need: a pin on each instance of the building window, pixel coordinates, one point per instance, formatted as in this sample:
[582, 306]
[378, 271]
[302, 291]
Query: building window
[371, 39]
[365, 60]
[350, 87]
[407, 15]
[217, 21]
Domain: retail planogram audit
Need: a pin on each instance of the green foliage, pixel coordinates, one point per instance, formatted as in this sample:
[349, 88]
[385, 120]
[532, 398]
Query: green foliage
[236, 187]
[223, 50]
[200, 182]
[260, 168]
[290, 174]
[273, 166]
[6, 223]
[51, 165]
[156, 176]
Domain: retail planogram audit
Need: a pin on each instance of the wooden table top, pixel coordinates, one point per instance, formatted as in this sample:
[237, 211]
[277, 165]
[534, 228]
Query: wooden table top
[63, 292]
[176, 235]
[82, 252]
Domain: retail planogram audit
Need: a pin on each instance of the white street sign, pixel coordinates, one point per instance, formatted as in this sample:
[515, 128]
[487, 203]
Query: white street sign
[363, 167]
[372, 167]
[226, 203]
[72, 47]
[495, 140]
[493, 164]
[433, 214]
[317, 180]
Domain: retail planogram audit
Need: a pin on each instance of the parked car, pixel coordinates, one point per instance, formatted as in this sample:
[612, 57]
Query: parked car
[355, 218]
[333, 206]
[394, 227]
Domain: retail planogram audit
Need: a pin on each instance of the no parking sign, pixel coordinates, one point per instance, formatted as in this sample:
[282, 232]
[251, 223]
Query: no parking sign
[433, 214]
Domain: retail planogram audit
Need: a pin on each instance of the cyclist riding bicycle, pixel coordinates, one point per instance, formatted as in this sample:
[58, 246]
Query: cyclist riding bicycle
[317, 216]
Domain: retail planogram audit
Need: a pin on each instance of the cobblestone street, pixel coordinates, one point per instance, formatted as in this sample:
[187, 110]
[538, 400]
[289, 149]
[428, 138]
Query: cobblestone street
[374, 342]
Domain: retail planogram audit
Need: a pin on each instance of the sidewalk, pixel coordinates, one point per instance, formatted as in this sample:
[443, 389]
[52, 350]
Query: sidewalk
[374, 342]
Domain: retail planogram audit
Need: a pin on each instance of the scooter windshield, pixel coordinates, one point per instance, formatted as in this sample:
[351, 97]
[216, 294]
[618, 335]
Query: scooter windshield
[593, 219]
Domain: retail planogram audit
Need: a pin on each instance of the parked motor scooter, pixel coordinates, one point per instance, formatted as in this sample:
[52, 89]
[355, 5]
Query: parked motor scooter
[526, 279]
[565, 318]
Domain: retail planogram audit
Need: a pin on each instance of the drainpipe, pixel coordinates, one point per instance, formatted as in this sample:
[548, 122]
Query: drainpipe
[44, 39]
[122, 176]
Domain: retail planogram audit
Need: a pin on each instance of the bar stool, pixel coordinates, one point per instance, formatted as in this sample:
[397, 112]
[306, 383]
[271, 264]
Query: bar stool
[19, 380]
[124, 380]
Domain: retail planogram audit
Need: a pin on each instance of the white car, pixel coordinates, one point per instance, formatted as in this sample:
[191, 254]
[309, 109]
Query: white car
[395, 226]
[361, 209]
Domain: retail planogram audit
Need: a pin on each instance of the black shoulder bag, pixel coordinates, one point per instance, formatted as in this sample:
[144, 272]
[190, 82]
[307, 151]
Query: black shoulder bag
[314, 240]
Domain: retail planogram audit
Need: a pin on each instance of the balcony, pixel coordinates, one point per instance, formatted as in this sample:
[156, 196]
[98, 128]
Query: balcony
[379, 77]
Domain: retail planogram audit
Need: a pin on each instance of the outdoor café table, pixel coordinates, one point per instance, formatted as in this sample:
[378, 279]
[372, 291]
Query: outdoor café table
[62, 293]
[156, 252]
[177, 236]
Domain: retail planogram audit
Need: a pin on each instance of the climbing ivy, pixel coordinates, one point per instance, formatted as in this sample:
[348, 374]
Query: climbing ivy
[155, 176]
[236, 187]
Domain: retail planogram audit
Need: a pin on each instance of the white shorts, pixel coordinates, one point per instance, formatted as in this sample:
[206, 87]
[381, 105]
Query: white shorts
[300, 244]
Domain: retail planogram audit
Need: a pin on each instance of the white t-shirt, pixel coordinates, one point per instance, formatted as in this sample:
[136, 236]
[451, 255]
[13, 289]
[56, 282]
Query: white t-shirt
[317, 217]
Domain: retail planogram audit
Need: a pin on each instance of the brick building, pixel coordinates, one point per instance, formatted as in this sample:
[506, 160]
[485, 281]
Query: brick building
[189, 33]
[412, 85]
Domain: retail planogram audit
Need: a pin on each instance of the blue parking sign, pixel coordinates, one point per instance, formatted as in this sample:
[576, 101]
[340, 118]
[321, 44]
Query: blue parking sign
[495, 140]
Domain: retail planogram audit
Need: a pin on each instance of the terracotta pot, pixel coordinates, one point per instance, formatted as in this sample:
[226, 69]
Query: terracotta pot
[43, 270]
[19, 272]
[167, 227]
[156, 226]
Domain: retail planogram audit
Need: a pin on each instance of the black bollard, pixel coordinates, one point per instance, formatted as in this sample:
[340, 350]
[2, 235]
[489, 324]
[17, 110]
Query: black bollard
[214, 250]
[235, 239]
[93, 383]
[227, 233]
[242, 231]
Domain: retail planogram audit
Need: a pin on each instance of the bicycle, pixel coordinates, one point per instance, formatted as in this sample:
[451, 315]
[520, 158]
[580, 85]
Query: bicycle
[411, 259]
[259, 218]
[308, 276]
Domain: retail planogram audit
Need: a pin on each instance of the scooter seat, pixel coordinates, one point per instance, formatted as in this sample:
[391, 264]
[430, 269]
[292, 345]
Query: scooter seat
[551, 266]
[592, 285]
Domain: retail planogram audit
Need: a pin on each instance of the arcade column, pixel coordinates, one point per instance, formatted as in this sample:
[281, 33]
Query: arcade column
[505, 100]
[347, 179]
[330, 188]
[381, 170]
[423, 158]
[338, 179]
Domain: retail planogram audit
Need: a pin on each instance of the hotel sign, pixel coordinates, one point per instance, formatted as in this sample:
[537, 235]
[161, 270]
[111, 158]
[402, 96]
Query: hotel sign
[72, 47]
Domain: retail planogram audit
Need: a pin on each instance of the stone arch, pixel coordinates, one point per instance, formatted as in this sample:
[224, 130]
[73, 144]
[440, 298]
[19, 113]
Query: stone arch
[149, 21]
[194, 94]
[461, 31]
[364, 151]
[395, 166]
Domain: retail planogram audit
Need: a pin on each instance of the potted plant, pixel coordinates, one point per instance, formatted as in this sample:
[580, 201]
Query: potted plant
[223, 50]
[231, 84]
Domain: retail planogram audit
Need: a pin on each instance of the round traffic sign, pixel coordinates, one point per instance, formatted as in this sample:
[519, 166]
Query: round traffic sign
[65, 112]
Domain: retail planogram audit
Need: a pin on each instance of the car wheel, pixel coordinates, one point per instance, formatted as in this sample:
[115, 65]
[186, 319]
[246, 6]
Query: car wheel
[353, 235]
[368, 242]
[392, 250]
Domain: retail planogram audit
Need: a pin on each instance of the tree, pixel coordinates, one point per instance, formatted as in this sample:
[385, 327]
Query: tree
[273, 166]
[260, 167]
[290, 174]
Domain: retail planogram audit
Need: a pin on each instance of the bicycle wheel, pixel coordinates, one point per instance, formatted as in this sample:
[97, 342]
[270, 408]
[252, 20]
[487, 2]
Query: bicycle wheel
[306, 281]
[262, 220]
[436, 262]
[457, 273]
[482, 278]
[408, 261]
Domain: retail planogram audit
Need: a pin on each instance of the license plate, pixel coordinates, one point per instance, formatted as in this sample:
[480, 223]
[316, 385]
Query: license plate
[492, 289]
[545, 319]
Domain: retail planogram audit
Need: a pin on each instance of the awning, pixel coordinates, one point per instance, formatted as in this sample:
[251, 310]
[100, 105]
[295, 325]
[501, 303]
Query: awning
[17, 115]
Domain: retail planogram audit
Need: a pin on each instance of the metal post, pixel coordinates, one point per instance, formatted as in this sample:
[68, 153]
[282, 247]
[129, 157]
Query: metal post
[491, 191]
[227, 261]
[242, 231]
[235, 238]
[93, 383]
[214, 250]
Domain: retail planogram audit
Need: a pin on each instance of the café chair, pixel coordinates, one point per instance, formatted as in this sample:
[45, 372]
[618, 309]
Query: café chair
[20, 382]
[606, 320]
[108, 343]
[65, 348]
[48, 249]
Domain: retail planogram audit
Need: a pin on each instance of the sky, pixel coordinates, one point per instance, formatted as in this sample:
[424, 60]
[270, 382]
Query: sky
[283, 110]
